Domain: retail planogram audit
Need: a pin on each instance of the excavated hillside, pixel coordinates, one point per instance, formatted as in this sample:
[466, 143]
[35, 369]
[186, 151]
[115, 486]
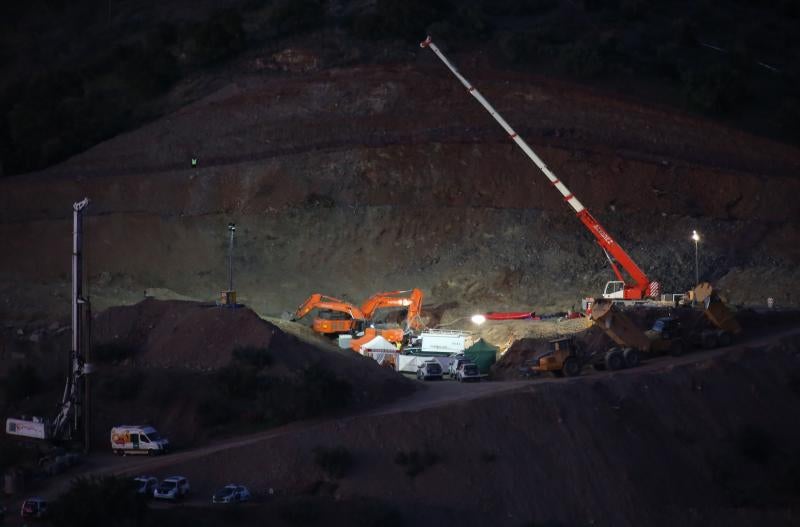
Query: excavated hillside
[348, 181]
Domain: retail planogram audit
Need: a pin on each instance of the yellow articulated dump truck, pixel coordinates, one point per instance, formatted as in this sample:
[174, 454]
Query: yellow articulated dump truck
[714, 326]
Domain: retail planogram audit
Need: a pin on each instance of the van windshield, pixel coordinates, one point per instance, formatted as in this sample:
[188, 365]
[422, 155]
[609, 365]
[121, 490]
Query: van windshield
[151, 437]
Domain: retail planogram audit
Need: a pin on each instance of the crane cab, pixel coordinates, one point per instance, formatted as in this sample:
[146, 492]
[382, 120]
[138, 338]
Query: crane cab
[614, 290]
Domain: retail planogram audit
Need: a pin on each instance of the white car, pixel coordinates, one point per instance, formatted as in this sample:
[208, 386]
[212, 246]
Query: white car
[145, 485]
[429, 369]
[458, 360]
[231, 493]
[173, 488]
[468, 371]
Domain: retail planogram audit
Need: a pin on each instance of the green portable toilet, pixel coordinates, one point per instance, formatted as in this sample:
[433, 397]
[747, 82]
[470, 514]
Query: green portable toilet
[483, 354]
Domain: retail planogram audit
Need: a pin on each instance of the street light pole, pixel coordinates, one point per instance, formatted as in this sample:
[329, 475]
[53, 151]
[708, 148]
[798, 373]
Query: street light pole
[696, 238]
[231, 229]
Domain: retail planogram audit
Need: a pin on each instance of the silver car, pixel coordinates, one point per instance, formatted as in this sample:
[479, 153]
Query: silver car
[231, 493]
[173, 488]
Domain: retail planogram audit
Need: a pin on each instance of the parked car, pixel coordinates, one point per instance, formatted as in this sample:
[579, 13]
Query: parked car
[231, 493]
[34, 508]
[145, 485]
[172, 488]
[468, 371]
[457, 361]
[127, 439]
[429, 369]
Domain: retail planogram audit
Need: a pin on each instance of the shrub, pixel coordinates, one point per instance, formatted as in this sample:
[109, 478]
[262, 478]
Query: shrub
[401, 18]
[252, 356]
[122, 386]
[323, 392]
[301, 512]
[414, 462]
[754, 444]
[23, 382]
[290, 16]
[336, 462]
[112, 352]
[99, 501]
[717, 89]
[219, 37]
[215, 411]
[239, 380]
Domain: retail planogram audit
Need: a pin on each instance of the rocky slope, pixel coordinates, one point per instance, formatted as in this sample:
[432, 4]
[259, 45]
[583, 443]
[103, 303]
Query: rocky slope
[349, 181]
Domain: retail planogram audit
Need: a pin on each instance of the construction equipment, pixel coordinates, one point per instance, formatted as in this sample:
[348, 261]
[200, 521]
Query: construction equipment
[74, 412]
[398, 335]
[335, 317]
[564, 356]
[638, 286]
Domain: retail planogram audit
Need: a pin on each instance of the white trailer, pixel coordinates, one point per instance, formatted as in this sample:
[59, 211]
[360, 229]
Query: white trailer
[443, 341]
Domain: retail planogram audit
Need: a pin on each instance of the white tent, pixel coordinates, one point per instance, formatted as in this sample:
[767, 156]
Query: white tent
[378, 344]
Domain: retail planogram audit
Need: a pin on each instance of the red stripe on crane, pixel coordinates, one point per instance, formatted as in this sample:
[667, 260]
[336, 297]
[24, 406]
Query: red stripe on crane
[470, 89]
[555, 182]
[512, 136]
[568, 197]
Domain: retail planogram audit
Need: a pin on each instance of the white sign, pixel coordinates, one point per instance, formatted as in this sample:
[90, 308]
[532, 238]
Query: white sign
[32, 429]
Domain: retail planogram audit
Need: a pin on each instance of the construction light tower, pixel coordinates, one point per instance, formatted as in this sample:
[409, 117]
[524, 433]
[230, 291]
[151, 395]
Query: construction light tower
[229, 296]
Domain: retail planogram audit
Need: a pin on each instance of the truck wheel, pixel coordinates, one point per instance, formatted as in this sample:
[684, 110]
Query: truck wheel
[615, 360]
[571, 367]
[631, 357]
[676, 348]
[725, 339]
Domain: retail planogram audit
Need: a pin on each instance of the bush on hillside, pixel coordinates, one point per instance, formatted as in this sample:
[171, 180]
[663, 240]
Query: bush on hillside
[23, 381]
[415, 463]
[336, 462]
[99, 501]
[253, 356]
[112, 352]
[215, 39]
[291, 16]
[122, 385]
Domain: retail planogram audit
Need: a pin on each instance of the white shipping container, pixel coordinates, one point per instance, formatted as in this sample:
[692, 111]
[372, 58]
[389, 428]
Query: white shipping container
[35, 428]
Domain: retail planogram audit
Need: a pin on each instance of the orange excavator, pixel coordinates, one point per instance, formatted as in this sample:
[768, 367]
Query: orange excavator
[412, 300]
[335, 316]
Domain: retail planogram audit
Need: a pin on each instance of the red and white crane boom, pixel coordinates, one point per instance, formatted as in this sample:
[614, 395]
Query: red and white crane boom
[639, 286]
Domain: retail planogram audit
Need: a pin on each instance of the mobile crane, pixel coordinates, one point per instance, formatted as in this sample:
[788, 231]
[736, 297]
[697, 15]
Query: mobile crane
[73, 414]
[638, 286]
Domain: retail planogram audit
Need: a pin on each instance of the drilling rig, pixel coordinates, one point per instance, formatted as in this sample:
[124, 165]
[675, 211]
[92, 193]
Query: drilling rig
[73, 413]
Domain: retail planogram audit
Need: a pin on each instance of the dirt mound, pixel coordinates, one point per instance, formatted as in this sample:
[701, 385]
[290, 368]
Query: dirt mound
[197, 370]
[204, 336]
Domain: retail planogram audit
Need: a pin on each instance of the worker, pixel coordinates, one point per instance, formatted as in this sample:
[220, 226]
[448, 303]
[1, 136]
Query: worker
[194, 162]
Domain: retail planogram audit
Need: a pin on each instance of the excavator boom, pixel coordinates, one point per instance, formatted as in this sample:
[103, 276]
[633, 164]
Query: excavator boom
[639, 286]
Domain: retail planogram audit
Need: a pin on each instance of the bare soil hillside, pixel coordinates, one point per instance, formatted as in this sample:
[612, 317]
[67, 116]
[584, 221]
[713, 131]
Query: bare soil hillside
[352, 180]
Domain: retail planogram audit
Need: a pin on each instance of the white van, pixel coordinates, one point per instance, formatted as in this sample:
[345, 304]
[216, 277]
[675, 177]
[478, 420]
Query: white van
[127, 439]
